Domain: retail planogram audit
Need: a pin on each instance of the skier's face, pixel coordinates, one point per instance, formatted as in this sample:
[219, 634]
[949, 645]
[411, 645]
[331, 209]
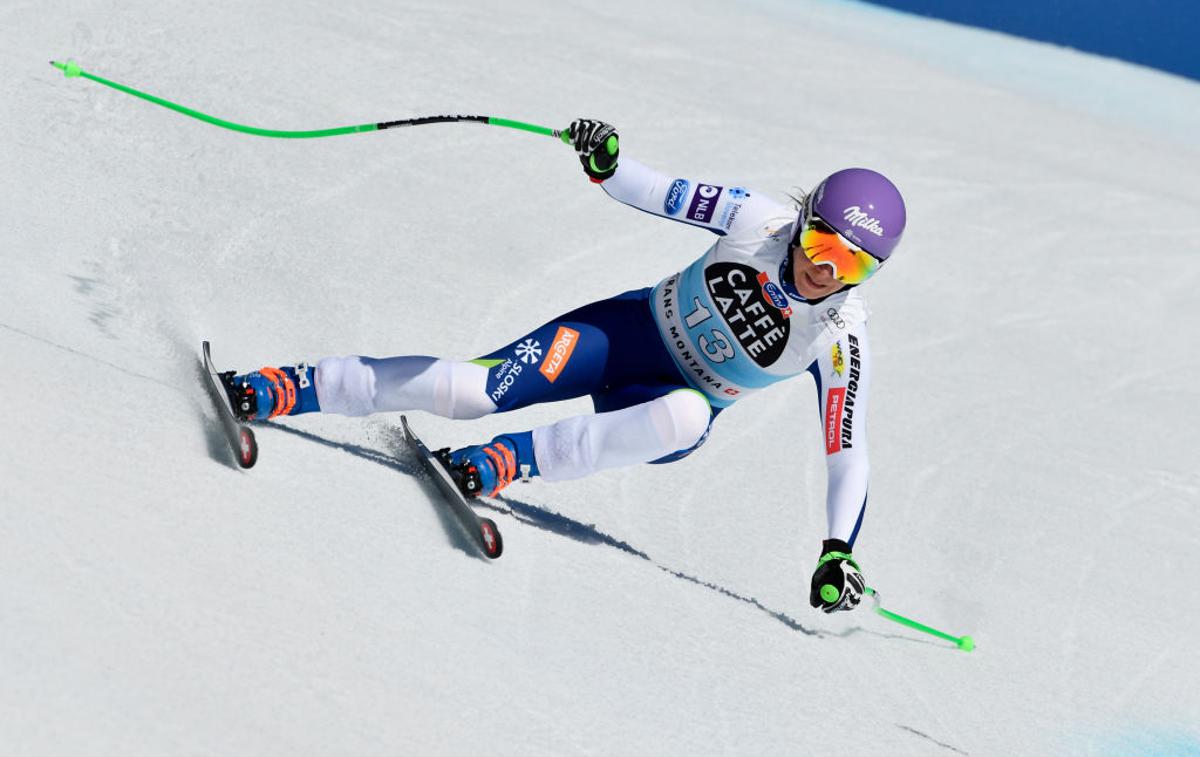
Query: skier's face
[812, 280]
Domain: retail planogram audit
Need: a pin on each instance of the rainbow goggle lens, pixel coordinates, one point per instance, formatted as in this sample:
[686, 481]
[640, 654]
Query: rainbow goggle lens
[822, 244]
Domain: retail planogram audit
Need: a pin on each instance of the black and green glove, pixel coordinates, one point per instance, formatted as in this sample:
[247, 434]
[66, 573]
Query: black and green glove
[597, 145]
[837, 583]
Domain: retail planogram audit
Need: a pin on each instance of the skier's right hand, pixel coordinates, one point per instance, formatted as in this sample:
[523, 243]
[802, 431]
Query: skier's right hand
[597, 145]
[837, 583]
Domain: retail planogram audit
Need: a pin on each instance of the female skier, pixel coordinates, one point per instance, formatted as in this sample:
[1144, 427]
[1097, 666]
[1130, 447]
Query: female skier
[771, 298]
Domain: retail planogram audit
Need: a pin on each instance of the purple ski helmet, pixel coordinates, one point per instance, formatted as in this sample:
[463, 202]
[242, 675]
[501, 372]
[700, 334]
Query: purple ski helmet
[863, 206]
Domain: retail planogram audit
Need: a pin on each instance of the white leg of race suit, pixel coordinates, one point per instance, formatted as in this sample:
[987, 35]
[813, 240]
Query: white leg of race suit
[576, 447]
[570, 448]
[362, 385]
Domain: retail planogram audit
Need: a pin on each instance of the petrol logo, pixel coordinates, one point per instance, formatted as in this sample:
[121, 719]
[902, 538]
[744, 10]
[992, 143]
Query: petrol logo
[835, 402]
[676, 197]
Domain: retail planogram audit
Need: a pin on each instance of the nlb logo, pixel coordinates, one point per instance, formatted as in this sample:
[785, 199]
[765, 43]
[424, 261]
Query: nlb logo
[704, 204]
[676, 196]
[858, 217]
[559, 353]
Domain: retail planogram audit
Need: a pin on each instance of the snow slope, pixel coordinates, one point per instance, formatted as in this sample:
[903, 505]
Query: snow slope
[1033, 426]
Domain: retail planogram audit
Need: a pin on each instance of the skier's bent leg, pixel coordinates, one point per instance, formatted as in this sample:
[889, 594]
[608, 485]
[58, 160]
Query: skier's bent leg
[357, 385]
[661, 430]
[577, 447]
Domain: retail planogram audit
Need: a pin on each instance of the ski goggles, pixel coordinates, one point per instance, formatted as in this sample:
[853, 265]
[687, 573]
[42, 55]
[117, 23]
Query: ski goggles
[823, 245]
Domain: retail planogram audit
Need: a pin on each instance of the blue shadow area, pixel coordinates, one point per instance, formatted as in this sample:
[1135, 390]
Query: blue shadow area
[1156, 33]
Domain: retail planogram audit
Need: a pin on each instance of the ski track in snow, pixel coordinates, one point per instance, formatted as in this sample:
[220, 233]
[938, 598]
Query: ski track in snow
[560, 525]
[930, 738]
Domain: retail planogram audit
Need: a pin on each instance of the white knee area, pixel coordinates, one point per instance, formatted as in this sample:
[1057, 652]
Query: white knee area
[680, 418]
[358, 385]
[460, 391]
[346, 386]
[576, 447]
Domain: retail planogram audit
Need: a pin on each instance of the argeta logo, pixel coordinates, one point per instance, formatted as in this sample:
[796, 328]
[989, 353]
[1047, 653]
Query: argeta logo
[529, 351]
[559, 353]
[676, 196]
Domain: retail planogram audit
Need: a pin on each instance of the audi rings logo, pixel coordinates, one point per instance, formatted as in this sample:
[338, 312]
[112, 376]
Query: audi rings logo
[836, 317]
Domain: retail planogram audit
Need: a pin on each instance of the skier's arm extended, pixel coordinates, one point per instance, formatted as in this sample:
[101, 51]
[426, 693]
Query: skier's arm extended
[843, 376]
[720, 209]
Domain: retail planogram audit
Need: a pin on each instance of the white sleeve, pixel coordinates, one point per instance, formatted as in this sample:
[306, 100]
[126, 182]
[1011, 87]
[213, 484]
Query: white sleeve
[722, 210]
[843, 376]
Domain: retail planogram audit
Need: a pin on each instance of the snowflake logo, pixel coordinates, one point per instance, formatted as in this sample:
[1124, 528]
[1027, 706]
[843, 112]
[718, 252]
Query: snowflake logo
[529, 351]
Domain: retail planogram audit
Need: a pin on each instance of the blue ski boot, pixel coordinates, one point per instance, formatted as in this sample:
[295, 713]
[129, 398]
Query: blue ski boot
[483, 470]
[269, 392]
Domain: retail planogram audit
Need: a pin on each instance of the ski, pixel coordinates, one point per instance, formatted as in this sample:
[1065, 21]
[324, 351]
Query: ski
[482, 531]
[241, 439]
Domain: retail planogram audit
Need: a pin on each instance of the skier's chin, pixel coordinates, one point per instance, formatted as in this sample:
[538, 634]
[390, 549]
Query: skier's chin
[811, 290]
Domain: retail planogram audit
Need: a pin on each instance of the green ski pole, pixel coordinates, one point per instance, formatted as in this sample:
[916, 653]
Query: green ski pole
[71, 69]
[965, 643]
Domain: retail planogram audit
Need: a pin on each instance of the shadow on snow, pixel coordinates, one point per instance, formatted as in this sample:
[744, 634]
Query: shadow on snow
[545, 520]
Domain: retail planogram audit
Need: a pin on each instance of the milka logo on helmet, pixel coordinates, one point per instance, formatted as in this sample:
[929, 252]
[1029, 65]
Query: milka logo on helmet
[856, 216]
[676, 196]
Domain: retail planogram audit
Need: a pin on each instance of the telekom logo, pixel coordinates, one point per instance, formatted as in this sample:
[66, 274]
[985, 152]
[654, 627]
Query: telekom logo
[859, 218]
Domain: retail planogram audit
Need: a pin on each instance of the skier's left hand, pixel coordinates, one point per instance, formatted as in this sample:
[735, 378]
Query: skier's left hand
[837, 583]
[597, 145]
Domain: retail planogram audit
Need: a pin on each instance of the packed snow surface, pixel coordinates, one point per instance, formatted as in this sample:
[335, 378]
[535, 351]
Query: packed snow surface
[1034, 416]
